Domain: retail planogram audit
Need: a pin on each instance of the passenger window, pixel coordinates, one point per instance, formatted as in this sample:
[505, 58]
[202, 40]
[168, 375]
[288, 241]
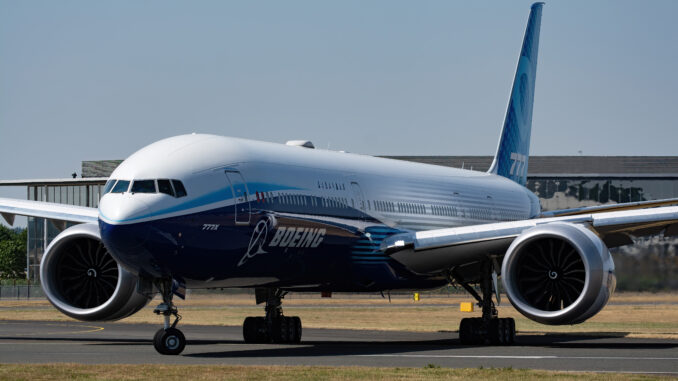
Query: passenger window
[165, 187]
[143, 186]
[120, 187]
[179, 188]
[109, 185]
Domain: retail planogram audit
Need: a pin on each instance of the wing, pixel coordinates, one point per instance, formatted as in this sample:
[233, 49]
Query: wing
[611, 207]
[57, 212]
[434, 251]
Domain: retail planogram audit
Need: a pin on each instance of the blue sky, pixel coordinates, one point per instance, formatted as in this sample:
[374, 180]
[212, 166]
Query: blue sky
[89, 80]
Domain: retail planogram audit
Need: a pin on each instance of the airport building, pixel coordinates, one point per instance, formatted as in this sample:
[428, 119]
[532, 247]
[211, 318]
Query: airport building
[561, 182]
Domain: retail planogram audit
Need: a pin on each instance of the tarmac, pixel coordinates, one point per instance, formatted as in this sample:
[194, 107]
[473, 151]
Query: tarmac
[123, 343]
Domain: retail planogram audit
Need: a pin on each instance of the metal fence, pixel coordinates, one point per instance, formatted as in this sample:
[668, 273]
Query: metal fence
[33, 291]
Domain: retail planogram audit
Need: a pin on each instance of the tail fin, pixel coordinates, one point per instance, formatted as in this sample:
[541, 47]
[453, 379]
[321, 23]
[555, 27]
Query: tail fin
[514, 144]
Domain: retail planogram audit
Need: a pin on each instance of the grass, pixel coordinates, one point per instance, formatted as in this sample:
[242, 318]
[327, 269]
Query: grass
[282, 373]
[632, 314]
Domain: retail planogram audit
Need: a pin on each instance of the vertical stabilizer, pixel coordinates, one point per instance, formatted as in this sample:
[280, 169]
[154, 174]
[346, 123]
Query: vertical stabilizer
[513, 150]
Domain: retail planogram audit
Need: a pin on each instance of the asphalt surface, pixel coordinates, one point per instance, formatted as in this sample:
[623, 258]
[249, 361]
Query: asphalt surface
[94, 343]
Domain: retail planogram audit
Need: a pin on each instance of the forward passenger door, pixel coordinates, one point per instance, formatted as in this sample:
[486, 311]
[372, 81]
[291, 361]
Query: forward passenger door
[239, 188]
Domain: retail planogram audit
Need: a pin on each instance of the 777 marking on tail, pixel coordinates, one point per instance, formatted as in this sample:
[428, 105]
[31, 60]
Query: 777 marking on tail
[518, 164]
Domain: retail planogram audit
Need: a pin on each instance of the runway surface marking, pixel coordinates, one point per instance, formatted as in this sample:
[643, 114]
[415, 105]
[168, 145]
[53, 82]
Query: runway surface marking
[27, 342]
[92, 328]
[527, 357]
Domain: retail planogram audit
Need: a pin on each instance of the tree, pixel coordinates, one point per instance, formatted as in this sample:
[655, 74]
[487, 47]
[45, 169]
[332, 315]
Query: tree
[12, 253]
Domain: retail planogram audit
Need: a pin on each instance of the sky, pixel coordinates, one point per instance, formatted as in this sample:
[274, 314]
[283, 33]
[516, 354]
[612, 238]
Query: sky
[95, 80]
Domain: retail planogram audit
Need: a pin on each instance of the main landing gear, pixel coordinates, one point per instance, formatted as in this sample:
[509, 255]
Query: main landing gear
[488, 329]
[274, 327]
[168, 340]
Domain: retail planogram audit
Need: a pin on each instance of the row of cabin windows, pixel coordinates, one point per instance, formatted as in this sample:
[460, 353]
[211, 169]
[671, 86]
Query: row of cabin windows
[384, 206]
[174, 188]
[443, 210]
[407, 207]
[479, 213]
[290, 199]
[388, 206]
[335, 202]
[486, 214]
[509, 215]
[331, 185]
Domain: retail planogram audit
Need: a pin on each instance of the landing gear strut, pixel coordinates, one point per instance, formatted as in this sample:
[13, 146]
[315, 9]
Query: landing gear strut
[488, 329]
[168, 340]
[274, 327]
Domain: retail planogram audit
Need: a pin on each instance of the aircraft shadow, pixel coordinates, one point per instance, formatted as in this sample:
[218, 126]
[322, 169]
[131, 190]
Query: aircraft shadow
[316, 348]
[342, 348]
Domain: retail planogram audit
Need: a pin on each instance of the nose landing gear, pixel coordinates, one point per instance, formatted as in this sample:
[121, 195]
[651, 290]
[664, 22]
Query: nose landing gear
[168, 340]
[275, 327]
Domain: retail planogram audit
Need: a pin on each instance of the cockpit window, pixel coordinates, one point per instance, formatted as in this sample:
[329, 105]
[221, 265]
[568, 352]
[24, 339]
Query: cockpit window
[121, 186]
[109, 185]
[143, 186]
[179, 189]
[174, 188]
[165, 187]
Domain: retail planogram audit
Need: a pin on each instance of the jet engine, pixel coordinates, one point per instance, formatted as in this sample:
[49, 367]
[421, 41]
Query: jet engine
[558, 273]
[82, 280]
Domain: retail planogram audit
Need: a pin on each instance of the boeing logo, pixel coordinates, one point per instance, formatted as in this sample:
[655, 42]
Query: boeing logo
[258, 239]
[297, 237]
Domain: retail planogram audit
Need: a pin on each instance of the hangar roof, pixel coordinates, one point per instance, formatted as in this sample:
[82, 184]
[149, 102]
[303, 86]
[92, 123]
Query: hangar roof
[568, 165]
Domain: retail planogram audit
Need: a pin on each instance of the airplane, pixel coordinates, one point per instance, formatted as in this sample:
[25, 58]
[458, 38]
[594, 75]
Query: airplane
[203, 211]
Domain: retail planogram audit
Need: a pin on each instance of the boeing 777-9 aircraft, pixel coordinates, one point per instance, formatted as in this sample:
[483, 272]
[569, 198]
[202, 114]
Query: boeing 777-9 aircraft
[203, 211]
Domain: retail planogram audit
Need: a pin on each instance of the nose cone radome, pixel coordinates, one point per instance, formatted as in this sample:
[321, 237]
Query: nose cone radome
[122, 208]
[120, 232]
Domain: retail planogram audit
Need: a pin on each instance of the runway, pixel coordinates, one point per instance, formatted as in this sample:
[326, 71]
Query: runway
[94, 343]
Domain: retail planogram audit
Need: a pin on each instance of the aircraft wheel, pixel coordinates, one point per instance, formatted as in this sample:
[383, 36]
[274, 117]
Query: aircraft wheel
[254, 330]
[249, 330]
[296, 323]
[466, 331]
[502, 331]
[169, 341]
[511, 331]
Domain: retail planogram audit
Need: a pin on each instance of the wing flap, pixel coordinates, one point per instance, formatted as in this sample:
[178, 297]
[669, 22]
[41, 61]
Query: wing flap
[610, 208]
[58, 212]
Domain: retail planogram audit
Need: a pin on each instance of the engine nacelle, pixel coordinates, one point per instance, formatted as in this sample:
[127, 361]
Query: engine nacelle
[558, 273]
[82, 280]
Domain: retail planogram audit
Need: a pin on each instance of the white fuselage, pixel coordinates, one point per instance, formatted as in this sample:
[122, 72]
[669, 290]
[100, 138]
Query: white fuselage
[398, 193]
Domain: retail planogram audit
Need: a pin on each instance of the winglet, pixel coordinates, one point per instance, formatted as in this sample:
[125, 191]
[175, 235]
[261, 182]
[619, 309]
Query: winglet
[513, 149]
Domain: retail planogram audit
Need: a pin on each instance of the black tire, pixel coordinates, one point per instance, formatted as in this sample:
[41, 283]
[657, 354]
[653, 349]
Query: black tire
[466, 331]
[262, 335]
[479, 331]
[287, 330]
[502, 331]
[249, 330]
[296, 322]
[158, 337]
[494, 332]
[511, 331]
[280, 332]
[169, 341]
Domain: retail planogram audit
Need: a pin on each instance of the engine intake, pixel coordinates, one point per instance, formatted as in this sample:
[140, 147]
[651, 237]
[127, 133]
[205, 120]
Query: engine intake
[82, 280]
[558, 273]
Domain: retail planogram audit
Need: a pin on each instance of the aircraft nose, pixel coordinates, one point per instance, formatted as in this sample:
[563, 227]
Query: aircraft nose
[122, 208]
[119, 231]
